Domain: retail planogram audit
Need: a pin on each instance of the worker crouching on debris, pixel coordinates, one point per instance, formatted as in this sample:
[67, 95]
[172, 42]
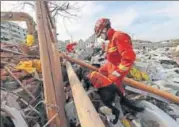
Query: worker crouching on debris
[120, 54]
[70, 47]
[120, 57]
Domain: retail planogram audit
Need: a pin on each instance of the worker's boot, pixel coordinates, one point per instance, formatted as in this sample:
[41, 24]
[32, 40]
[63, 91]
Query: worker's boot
[107, 95]
[109, 112]
[105, 110]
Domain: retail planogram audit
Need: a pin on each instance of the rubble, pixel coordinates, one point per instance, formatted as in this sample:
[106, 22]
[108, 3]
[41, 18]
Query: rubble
[15, 115]
[22, 89]
[19, 88]
[163, 73]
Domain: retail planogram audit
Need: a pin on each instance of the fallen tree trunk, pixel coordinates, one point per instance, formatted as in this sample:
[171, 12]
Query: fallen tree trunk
[127, 81]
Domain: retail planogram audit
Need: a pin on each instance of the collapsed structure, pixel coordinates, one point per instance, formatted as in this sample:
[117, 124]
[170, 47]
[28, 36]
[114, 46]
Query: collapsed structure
[51, 94]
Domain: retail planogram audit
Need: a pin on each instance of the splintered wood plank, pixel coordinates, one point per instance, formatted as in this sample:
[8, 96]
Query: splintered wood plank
[86, 112]
[51, 77]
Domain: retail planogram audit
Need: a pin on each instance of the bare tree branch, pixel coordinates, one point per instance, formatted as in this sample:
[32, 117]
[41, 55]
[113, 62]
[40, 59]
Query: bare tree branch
[64, 16]
[53, 9]
[71, 13]
[30, 4]
[64, 9]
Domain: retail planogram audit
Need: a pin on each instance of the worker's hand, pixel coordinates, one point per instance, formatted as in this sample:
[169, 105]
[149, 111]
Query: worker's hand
[115, 73]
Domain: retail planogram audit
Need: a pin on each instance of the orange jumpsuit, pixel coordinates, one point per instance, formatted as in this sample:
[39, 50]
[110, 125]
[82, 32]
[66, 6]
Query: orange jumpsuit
[120, 56]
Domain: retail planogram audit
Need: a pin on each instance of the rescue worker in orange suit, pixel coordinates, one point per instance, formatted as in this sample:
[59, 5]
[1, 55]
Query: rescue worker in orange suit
[120, 54]
[120, 57]
[70, 47]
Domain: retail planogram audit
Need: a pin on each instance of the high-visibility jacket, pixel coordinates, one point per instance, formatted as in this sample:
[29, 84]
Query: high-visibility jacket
[98, 80]
[120, 56]
[120, 51]
[70, 47]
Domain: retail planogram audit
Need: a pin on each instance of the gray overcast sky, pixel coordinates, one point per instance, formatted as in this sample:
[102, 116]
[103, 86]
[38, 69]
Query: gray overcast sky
[145, 20]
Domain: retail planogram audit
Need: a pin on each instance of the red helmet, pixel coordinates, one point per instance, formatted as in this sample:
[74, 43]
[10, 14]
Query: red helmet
[100, 25]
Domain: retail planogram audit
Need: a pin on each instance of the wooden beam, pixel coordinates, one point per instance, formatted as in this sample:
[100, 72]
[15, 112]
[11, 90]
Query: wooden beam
[53, 89]
[55, 51]
[86, 112]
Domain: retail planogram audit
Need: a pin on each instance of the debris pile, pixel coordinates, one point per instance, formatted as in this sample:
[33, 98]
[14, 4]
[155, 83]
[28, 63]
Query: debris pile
[161, 67]
[23, 98]
[12, 57]
[159, 70]
[21, 86]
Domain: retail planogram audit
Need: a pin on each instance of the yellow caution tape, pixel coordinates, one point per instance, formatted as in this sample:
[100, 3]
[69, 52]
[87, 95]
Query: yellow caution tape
[29, 40]
[29, 66]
